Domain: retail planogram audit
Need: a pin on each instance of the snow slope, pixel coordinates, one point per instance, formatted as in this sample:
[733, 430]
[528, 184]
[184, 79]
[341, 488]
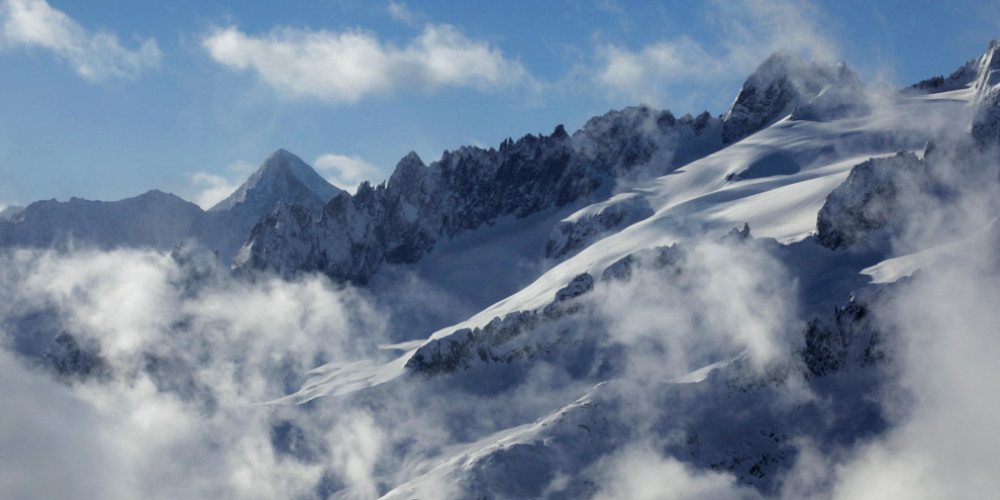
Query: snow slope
[706, 198]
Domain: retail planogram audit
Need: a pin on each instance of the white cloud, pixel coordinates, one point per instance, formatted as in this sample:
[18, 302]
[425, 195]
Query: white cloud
[211, 188]
[96, 56]
[176, 418]
[748, 31]
[642, 474]
[641, 75]
[347, 66]
[347, 171]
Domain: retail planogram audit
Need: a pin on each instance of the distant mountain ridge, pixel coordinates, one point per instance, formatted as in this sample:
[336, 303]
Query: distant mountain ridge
[162, 221]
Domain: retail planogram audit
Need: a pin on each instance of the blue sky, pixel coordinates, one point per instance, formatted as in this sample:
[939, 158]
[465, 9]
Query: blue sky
[107, 99]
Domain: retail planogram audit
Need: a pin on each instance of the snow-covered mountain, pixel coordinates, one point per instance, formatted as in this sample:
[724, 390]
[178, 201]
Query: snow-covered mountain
[283, 177]
[792, 300]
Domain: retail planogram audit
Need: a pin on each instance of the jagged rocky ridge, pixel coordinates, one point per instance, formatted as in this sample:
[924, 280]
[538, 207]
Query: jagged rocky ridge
[400, 221]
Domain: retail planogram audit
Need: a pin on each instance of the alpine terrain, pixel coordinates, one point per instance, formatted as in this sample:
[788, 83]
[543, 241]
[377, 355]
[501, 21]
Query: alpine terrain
[795, 298]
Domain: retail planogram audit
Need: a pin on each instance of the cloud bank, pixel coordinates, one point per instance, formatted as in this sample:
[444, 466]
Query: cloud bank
[95, 55]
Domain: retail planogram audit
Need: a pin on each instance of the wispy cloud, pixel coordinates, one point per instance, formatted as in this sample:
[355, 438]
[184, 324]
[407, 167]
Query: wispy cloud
[346, 172]
[747, 32]
[347, 66]
[402, 12]
[641, 75]
[94, 55]
[211, 188]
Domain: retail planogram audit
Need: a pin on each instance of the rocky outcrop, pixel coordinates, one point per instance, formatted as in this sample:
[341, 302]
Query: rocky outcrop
[595, 222]
[871, 199]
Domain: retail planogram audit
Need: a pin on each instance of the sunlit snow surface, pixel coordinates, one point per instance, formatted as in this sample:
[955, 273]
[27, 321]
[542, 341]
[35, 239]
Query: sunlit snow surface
[698, 199]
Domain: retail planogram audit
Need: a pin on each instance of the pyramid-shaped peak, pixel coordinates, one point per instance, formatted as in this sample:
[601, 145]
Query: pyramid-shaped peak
[282, 158]
[283, 176]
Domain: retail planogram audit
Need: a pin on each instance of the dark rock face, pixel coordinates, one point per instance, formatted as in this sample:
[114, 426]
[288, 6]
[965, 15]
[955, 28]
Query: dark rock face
[986, 121]
[398, 222]
[869, 200]
[848, 338]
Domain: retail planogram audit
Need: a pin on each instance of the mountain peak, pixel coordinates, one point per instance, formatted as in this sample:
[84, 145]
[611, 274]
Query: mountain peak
[283, 176]
[780, 83]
